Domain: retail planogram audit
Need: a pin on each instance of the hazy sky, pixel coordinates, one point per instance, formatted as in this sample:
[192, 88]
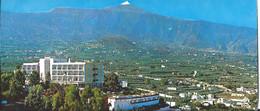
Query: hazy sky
[232, 12]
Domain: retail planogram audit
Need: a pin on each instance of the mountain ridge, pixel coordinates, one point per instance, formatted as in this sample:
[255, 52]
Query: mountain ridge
[128, 21]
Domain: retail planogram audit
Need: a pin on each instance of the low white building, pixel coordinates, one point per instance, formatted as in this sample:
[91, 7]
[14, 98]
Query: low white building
[210, 96]
[240, 99]
[172, 88]
[171, 104]
[241, 89]
[208, 102]
[140, 75]
[163, 66]
[183, 95]
[185, 108]
[225, 101]
[197, 97]
[131, 102]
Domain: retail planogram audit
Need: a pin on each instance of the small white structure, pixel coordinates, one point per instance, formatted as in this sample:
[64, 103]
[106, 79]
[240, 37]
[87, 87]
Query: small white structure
[140, 75]
[240, 99]
[208, 102]
[195, 74]
[185, 108]
[197, 97]
[225, 101]
[198, 85]
[183, 95]
[131, 102]
[163, 66]
[124, 83]
[171, 104]
[172, 88]
[241, 89]
[210, 96]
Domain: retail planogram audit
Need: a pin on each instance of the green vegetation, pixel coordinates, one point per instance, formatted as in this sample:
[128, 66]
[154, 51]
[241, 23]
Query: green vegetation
[34, 78]
[34, 99]
[232, 70]
[112, 82]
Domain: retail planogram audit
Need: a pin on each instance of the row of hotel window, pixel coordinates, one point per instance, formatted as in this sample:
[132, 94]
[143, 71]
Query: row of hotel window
[71, 78]
[33, 67]
[65, 78]
[68, 73]
[59, 67]
[72, 72]
[143, 99]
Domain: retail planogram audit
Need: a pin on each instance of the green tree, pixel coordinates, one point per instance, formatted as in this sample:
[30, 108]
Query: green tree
[85, 96]
[34, 78]
[5, 78]
[112, 82]
[118, 108]
[148, 82]
[34, 98]
[97, 100]
[47, 102]
[48, 76]
[153, 86]
[18, 67]
[72, 98]
[57, 101]
[11, 94]
[252, 97]
[19, 77]
[164, 81]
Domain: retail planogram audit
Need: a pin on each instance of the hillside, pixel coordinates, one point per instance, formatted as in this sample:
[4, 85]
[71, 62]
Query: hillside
[47, 29]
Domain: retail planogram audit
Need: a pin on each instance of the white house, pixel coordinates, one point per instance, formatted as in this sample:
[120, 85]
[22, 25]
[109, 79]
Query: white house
[185, 108]
[124, 83]
[240, 99]
[171, 104]
[225, 101]
[210, 96]
[208, 102]
[196, 97]
[163, 66]
[172, 88]
[183, 95]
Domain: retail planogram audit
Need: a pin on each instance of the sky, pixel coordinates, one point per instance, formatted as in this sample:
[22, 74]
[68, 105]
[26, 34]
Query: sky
[231, 12]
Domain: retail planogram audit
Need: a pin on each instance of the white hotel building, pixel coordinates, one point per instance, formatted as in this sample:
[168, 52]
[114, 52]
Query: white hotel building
[130, 102]
[67, 72]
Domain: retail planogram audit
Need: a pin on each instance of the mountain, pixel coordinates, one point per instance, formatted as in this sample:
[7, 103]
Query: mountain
[74, 25]
[117, 43]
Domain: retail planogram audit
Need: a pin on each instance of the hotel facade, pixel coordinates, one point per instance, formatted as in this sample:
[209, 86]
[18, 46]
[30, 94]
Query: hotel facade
[67, 72]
